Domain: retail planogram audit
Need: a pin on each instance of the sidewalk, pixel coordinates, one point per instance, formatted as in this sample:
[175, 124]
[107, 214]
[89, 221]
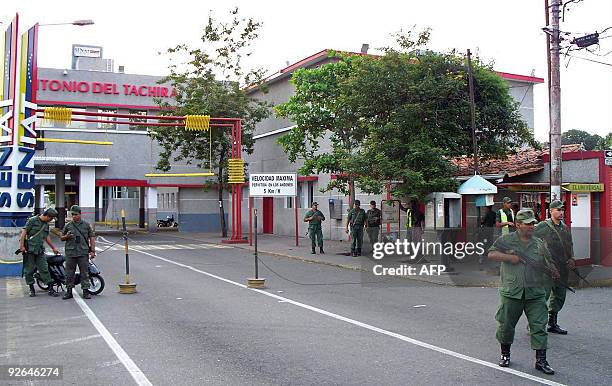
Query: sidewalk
[467, 273]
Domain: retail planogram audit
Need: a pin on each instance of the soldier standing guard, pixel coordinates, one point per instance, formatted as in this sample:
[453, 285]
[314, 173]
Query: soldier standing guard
[356, 219]
[35, 233]
[314, 217]
[523, 288]
[374, 217]
[558, 239]
[80, 246]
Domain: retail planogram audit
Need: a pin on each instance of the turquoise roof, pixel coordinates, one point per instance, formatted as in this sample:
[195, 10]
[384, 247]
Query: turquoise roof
[477, 185]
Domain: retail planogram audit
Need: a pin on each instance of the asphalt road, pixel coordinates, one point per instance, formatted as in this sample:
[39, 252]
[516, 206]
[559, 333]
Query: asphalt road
[194, 322]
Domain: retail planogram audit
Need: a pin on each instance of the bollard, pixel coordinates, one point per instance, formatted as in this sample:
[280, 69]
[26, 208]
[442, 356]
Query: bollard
[127, 287]
[256, 282]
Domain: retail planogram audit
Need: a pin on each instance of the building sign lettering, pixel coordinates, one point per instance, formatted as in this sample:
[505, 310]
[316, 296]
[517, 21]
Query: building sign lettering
[138, 90]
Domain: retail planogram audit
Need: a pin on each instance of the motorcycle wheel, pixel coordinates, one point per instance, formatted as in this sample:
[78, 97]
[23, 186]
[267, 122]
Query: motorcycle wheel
[41, 285]
[97, 284]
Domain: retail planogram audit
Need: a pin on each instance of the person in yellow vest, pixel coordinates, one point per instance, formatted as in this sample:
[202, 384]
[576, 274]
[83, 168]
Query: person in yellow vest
[504, 218]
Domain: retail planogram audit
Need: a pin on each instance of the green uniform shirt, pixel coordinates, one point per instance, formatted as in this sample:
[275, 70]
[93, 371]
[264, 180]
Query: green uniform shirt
[318, 217]
[374, 217]
[558, 239]
[519, 278]
[78, 245]
[357, 217]
[36, 233]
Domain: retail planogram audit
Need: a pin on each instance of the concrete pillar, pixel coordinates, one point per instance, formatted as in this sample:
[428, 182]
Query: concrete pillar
[60, 205]
[87, 192]
[141, 207]
[40, 199]
[152, 208]
[100, 212]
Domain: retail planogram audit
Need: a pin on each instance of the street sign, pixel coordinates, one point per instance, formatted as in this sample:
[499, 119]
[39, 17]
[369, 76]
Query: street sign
[608, 159]
[390, 211]
[273, 185]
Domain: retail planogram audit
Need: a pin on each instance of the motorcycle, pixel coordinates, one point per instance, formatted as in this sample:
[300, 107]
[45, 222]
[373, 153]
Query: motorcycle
[58, 274]
[167, 223]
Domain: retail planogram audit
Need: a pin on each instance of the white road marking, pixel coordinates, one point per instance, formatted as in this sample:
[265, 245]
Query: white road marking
[128, 363]
[404, 338]
[73, 340]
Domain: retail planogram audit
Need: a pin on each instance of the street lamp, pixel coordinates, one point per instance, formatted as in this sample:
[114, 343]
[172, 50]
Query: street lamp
[80, 23]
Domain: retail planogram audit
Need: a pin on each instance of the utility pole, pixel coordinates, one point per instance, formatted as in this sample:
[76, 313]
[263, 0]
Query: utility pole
[472, 110]
[555, 103]
[473, 122]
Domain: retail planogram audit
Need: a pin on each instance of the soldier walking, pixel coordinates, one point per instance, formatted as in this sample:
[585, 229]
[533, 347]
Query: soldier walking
[374, 218]
[314, 217]
[558, 239]
[31, 244]
[80, 247]
[523, 288]
[356, 219]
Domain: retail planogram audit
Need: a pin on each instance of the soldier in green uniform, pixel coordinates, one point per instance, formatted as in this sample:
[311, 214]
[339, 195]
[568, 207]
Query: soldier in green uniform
[558, 239]
[374, 217]
[35, 234]
[80, 246]
[314, 217]
[356, 219]
[523, 288]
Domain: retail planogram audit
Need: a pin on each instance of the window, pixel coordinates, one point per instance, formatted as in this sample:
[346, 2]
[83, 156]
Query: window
[138, 112]
[305, 194]
[172, 202]
[107, 122]
[288, 202]
[125, 192]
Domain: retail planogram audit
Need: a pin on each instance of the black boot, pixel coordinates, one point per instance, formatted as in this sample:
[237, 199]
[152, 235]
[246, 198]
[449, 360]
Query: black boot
[541, 363]
[86, 294]
[359, 252]
[353, 253]
[504, 359]
[553, 326]
[32, 291]
[321, 251]
[52, 292]
[313, 251]
[68, 294]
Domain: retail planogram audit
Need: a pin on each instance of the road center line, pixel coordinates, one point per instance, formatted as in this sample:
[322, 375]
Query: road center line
[367, 326]
[128, 363]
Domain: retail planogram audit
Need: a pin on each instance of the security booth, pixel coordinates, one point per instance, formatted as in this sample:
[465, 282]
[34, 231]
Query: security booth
[443, 210]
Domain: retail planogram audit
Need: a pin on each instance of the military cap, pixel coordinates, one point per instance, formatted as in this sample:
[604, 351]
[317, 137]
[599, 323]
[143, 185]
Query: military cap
[526, 216]
[556, 204]
[75, 209]
[357, 202]
[315, 203]
[50, 212]
[507, 199]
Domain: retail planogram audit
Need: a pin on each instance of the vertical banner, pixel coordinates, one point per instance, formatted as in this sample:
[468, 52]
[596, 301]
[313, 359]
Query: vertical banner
[18, 115]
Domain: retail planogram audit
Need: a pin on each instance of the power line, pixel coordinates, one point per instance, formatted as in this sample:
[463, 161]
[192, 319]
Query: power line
[590, 60]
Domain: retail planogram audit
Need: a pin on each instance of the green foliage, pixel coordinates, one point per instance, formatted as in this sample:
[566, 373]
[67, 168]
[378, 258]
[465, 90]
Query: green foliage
[211, 80]
[590, 141]
[401, 116]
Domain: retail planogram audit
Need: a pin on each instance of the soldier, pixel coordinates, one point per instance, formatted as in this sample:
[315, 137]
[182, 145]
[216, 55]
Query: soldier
[36, 232]
[314, 217]
[558, 238]
[80, 246]
[504, 218]
[523, 288]
[356, 219]
[374, 217]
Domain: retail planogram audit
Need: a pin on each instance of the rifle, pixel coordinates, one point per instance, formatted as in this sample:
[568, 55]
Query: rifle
[575, 270]
[527, 260]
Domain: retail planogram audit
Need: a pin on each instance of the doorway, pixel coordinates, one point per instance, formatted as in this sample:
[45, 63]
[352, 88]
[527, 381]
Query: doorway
[268, 215]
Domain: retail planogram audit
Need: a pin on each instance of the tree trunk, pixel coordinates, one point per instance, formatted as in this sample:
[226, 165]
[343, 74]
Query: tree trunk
[351, 186]
[221, 209]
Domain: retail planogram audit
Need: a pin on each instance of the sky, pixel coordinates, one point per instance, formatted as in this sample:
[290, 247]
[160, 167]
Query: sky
[509, 33]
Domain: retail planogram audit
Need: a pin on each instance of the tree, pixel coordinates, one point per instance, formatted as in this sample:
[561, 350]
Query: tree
[607, 142]
[590, 141]
[401, 116]
[210, 80]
